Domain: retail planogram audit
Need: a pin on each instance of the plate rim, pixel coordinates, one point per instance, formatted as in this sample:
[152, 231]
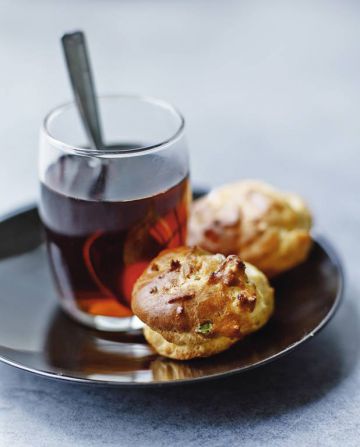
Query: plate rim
[320, 239]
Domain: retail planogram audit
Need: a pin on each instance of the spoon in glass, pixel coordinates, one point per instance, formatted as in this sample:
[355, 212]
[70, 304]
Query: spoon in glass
[81, 78]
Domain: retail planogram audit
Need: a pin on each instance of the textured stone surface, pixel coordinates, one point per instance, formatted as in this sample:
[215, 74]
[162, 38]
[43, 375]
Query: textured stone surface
[270, 90]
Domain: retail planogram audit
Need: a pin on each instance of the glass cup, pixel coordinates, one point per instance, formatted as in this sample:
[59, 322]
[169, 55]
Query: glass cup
[108, 212]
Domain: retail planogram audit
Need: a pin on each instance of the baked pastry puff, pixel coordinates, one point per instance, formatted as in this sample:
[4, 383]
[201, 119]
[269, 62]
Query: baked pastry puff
[264, 226]
[196, 304]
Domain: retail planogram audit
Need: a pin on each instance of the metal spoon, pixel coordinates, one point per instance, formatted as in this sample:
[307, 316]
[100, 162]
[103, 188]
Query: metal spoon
[80, 74]
[79, 69]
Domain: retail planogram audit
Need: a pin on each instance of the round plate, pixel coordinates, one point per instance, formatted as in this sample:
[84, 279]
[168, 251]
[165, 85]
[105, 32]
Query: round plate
[37, 336]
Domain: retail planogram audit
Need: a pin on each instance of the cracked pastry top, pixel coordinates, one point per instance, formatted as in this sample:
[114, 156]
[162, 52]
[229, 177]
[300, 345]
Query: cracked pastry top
[195, 304]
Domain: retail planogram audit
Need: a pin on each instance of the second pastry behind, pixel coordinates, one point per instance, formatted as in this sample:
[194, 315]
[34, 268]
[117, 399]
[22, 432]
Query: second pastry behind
[264, 226]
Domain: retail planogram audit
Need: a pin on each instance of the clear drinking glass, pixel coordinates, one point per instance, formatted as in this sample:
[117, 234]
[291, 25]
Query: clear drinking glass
[108, 212]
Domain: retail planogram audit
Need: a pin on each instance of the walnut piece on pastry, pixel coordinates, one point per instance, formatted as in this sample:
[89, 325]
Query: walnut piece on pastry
[196, 304]
[264, 226]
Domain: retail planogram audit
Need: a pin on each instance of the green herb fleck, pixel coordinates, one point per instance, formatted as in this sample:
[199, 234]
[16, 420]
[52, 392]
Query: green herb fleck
[205, 328]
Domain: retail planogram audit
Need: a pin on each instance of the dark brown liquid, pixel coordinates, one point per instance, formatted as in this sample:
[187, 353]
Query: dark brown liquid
[98, 248]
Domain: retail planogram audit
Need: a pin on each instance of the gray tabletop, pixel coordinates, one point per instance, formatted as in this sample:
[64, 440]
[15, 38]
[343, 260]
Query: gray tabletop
[270, 90]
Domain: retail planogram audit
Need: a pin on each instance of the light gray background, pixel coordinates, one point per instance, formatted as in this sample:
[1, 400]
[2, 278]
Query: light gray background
[270, 89]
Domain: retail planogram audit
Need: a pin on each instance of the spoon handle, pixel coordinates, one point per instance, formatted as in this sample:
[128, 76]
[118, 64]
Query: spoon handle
[79, 69]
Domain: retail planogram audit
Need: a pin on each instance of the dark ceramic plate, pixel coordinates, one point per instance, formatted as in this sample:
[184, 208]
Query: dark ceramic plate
[36, 336]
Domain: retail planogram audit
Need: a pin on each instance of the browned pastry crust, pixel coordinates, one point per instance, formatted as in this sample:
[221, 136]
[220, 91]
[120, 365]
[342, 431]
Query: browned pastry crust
[264, 226]
[195, 304]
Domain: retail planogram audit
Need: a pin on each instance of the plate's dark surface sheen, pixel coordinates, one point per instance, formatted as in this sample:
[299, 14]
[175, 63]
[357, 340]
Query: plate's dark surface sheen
[35, 335]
